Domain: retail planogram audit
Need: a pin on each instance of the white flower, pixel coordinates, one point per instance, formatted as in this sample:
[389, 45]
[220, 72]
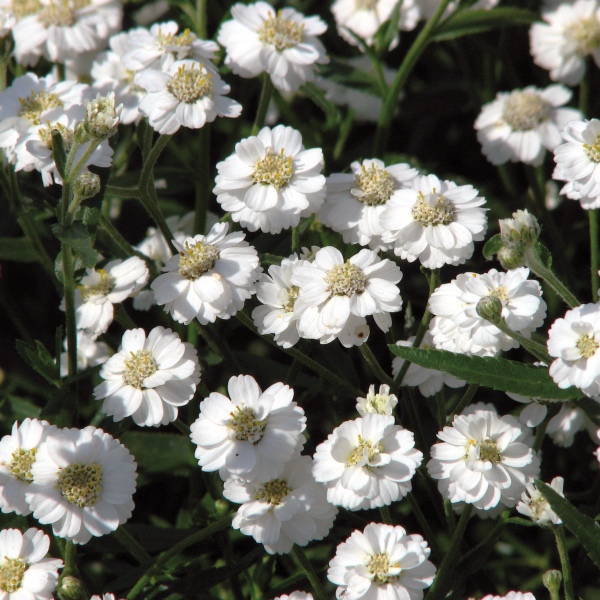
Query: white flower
[287, 510]
[250, 436]
[511, 596]
[483, 459]
[210, 278]
[282, 43]
[356, 200]
[536, 507]
[367, 462]
[458, 328]
[89, 353]
[17, 455]
[295, 596]
[102, 117]
[382, 402]
[520, 231]
[103, 597]
[521, 125]
[339, 292]
[150, 378]
[271, 180]
[186, 94]
[24, 572]
[83, 483]
[571, 32]
[155, 246]
[434, 221]
[569, 420]
[429, 381]
[577, 161]
[574, 342]
[381, 563]
[99, 289]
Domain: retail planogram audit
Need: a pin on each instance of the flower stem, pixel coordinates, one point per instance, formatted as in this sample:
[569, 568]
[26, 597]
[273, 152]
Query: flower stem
[386, 517]
[374, 365]
[201, 185]
[464, 401]
[182, 427]
[306, 565]
[561, 545]
[263, 104]
[593, 218]
[200, 23]
[69, 290]
[132, 545]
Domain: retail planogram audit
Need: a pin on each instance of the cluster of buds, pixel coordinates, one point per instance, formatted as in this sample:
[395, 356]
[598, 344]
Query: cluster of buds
[101, 117]
[518, 235]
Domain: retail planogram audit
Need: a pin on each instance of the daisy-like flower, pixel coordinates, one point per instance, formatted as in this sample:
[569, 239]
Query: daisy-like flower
[83, 483]
[577, 162]
[457, 326]
[434, 221]
[367, 462]
[17, 455]
[484, 460]
[186, 94]
[24, 572]
[574, 341]
[290, 509]
[381, 562]
[356, 200]
[536, 507]
[210, 278]
[381, 403]
[99, 289]
[89, 353]
[271, 181]
[569, 420]
[570, 34]
[338, 290]
[284, 44]
[429, 381]
[149, 379]
[250, 436]
[521, 125]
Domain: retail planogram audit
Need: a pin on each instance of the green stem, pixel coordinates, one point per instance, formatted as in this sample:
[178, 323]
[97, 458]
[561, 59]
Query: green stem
[535, 349]
[561, 545]
[182, 427]
[132, 545]
[122, 317]
[386, 517]
[391, 100]
[218, 345]
[464, 401]
[124, 192]
[263, 104]
[374, 365]
[424, 522]
[202, 186]
[295, 240]
[150, 161]
[164, 557]
[310, 573]
[540, 432]
[200, 23]
[415, 423]
[440, 408]
[71, 175]
[69, 291]
[450, 516]
[593, 218]
[69, 555]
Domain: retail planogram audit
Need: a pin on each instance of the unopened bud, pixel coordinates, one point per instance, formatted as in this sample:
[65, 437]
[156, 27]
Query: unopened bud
[552, 581]
[511, 257]
[490, 309]
[101, 117]
[522, 230]
[70, 588]
[87, 184]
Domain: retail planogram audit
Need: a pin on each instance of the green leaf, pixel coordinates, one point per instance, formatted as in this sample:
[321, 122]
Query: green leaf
[58, 152]
[496, 373]
[160, 452]
[492, 246]
[17, 249]
[40, 360]
[584, 528]
[78, 237]
[469, 22]
[544, 255]
[388, 30]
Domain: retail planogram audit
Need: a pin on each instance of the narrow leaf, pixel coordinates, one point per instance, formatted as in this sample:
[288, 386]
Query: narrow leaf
[496, 373]
[388, 30]
[17, 249]
[58, 152]
[78, 237]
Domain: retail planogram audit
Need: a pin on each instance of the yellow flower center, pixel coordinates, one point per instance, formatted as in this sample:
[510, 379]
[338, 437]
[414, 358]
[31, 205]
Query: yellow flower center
[11, 574]
[20, 465]
[246, 426]
[376, 185]
[524, 110]
[80, 484]
[166, 41]
[190, 84]
[58, 14]
[379, 567]
[585, 33]
[280, 33]
[592, 151]
[274, 169]
[36, 103]
[587, 346]
[365, 449]
[24, 8]
[500, 292]
[102, 288]
[345, 280]
[138, 366]
[273, 492]
[442, 213]
[198, 259]
[488, 450]
[67, 134]
[292, 297]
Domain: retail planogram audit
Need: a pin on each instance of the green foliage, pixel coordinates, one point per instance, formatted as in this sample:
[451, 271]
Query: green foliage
[77, 237]
[17, 250]
[40, 360]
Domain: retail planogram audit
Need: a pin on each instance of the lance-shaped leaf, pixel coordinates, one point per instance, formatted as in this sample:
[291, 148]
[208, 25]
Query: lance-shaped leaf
[496, 373]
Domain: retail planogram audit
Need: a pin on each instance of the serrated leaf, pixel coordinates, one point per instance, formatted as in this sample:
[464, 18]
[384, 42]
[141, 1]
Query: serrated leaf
[160, 452]
[492, 246]
[77, 237]
[17, 250]
[40, 360]
[496, 373]
[584, 528]
[469, 22]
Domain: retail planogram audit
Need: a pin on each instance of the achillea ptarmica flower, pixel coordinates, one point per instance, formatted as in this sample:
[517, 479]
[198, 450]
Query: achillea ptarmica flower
[434, 221]
[102, 117]
[24, 572]
[380, 563]
[187, 94]
[521, 231]
[149, 379]
[570, 34]
[284, 44]
[271, 181]
[521, 125]
[574, 341]
[367, 462]
[210, 278]
[356, 200]
[536, 507]
[296, 596]
[484, 459]
[511, 596]
[83, 483]
[99, 289]
[89, 353]
[381, 403]
[250, 436]
[287, 510]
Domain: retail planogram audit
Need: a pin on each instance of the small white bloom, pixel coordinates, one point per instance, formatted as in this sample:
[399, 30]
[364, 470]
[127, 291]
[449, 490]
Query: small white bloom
[381, 563]
[282, 43]
[521, 125]
[187, 94]
[295, 596]
[24, 572]
[511, 596]
[484, 460]
[536, 507]
[104, 597]
[89, 353]
[271, 181]
[210, 278]
[150, 378]
[367, 462]
[250, 436]
[155, 246]
[569, 420]
[382, 402]
[434, 221]
[102, 116]
[83, 483]
[290, 509]
[355, 201]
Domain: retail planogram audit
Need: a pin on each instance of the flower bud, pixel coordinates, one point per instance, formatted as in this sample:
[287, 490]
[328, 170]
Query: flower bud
[101, 117]
[522, 230]
[511, 257]
[552, 580]
[490, 309]
[87, 184]
[70, 588]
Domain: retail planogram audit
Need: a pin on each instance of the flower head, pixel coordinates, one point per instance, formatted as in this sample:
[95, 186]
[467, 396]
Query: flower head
[382, 402]
[536, 507]
[102, 117]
